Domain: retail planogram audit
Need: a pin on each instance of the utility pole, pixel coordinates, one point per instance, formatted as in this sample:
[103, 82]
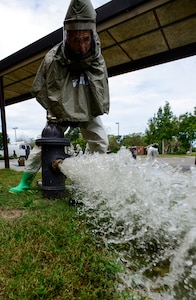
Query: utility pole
[15, 132]
[117, 123]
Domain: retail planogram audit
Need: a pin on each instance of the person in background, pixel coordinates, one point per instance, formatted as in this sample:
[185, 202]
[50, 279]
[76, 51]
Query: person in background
[72, 85]
[133, 150]
[153, 151]
[14, 154]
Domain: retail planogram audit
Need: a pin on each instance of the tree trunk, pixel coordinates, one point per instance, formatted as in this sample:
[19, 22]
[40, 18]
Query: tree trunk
[163, 147]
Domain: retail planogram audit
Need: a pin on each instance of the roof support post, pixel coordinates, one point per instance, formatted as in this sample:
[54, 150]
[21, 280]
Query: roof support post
[3, 123]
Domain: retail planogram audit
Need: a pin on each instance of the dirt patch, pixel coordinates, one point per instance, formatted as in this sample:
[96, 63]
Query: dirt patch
[11, 214]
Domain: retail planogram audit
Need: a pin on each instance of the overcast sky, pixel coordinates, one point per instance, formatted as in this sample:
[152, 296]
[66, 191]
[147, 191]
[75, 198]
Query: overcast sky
[135, 97]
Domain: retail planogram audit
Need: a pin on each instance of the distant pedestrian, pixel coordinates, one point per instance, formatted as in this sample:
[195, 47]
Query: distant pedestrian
[14, 154]
[133, 150]
[152, 151]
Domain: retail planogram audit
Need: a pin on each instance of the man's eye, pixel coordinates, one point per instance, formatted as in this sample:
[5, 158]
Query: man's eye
[77, 41]
[86, 40]
[82, 41]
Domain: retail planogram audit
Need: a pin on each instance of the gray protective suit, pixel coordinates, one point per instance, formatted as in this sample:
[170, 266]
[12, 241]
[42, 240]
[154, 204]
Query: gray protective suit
[71, 89]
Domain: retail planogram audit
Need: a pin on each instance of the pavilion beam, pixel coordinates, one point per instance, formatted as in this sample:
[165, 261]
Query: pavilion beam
[3, 123]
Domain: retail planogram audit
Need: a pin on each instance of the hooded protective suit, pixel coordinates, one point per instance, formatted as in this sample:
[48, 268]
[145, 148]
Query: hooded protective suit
[71, 88]
[72, 85]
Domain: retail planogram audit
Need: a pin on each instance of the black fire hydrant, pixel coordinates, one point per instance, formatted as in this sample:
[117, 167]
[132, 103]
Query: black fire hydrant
[53, 146]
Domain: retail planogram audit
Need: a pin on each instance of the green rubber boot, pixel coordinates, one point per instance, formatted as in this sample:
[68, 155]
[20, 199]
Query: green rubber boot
[24, 184]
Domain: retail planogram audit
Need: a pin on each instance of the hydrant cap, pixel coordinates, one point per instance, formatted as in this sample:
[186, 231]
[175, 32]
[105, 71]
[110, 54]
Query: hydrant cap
[52, 130]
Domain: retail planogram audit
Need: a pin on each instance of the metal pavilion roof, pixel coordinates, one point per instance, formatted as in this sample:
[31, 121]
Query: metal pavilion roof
[134, 34]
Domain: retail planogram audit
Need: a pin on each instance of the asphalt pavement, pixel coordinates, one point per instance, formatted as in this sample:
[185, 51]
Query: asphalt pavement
[13, 165]
[177, 161]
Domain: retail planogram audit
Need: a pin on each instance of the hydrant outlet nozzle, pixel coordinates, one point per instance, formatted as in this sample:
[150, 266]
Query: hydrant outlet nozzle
[55, 164]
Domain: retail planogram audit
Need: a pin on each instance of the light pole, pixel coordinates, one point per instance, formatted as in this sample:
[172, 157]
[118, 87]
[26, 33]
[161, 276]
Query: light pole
[15, 131]
[117, 123]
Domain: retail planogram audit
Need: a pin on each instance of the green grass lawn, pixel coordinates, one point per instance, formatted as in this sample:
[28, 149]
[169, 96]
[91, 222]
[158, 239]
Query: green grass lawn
[48, 252]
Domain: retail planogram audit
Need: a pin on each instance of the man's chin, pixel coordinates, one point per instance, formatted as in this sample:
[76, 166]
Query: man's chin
[78, 56]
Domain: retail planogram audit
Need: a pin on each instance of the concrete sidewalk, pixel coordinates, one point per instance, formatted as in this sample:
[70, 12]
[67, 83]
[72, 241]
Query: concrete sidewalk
[181, 161]
[13, 165]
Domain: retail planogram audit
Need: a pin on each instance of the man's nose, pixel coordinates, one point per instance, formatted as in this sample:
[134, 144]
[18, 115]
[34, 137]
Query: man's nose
[82, 47]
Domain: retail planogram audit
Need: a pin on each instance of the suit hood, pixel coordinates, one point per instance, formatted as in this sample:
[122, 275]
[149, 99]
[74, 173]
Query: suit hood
[81, 15]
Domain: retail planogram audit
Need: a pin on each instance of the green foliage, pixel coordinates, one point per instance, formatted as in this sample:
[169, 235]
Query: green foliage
[162, 126]
[80, 141]
[114, 143]
[73, 134]
[1, 140]
[176, 134]
[75, 137]
[134, 139]
[187, 129]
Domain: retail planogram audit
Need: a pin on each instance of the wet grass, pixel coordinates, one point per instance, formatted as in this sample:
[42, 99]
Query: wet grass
[47, 250]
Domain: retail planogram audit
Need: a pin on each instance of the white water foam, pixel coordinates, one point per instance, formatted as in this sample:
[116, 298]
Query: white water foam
[145, 212]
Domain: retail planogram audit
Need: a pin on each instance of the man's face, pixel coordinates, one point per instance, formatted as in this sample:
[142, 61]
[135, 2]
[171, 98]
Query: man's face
[79, 41]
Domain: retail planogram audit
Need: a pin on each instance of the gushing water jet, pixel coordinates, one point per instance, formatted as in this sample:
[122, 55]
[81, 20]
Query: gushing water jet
[145, 212]
[53, 146]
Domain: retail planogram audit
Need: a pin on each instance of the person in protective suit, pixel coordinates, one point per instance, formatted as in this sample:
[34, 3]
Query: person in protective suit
[72, 85]
[153, 151]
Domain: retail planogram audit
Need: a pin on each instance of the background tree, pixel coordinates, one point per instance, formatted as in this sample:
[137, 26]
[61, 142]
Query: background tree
[134, 139]
[114, 143]
[1, 140]
[80, 141]
[162, 127]
[72, 134]
[75, 137]
[187, 131]
[152, 134]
